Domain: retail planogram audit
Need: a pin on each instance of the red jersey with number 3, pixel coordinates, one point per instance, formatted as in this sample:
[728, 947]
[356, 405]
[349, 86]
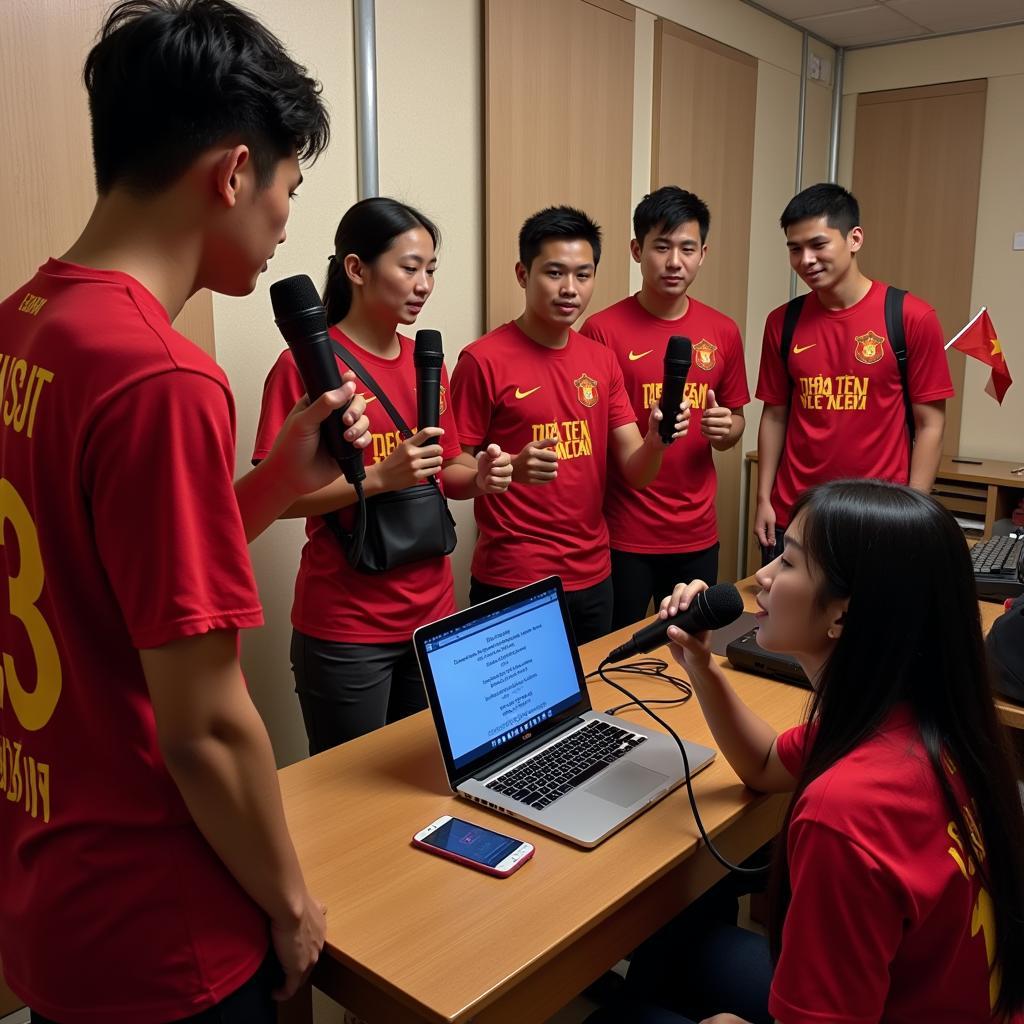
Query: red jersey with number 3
[676, 511]
[120, 531]
[844, 394]
[511, 391]
[332, 600]
[889, 920]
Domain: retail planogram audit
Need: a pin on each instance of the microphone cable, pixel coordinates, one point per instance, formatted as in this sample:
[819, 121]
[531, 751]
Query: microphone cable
[633, 699]
[653, 668]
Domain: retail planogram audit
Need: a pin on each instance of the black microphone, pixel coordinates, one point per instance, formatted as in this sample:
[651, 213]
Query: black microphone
[428, 357]
[300, 317]
[710, 609]
[678, 356]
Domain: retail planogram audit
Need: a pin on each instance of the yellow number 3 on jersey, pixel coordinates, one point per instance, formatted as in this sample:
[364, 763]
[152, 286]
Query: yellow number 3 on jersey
[32, 707]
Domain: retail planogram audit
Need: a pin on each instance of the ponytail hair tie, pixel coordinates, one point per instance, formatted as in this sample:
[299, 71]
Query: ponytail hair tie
[331, 258]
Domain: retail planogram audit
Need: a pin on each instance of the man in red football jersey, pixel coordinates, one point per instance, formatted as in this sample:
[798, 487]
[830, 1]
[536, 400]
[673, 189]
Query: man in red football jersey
[536, 387]
[668, 532]
[835, 399]
[146, 871]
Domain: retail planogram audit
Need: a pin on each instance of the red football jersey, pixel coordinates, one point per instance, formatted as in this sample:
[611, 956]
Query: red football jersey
[121, 531]
[888, 920]
[844, 394]
[676, 512]
[509, 390]
[332, 600]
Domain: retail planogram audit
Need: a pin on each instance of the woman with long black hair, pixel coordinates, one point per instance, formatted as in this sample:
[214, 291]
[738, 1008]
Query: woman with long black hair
[899, 876]
[352, 654]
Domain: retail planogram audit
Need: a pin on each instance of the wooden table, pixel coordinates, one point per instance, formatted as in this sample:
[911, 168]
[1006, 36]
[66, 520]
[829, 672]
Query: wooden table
[412, 937]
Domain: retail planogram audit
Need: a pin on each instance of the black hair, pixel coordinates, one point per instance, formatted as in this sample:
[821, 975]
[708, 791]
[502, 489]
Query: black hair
[668, 207]
[912, 635]
[564, 222]
[839, 207]
[170, 78]
[368, 230]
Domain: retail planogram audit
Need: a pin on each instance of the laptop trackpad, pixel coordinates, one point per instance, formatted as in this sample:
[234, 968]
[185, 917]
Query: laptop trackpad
[626, 784]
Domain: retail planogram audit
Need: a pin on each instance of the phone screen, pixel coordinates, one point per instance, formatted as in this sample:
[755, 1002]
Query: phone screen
[472, 842]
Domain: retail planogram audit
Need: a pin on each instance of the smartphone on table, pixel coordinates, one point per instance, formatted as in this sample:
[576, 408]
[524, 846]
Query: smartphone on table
[474, 845]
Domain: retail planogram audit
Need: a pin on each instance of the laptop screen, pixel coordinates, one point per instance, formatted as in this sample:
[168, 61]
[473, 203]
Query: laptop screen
[500, 674]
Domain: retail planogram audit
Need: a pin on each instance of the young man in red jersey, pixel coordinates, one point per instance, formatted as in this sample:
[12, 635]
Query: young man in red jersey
[145, 864]
[536, 387]
[668, 532]
[835, 405]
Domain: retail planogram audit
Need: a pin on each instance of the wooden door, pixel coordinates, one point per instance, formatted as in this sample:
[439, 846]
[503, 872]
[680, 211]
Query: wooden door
[559, 130]
[916, 175]
[705, 96]
[46, 160]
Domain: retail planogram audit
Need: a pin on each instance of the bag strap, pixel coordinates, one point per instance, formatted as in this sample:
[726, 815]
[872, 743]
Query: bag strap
[898, 339]
[793, 310]
[367, 378]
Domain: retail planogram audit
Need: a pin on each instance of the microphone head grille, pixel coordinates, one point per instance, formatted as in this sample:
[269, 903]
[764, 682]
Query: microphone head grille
[429, 352]
[293, 294]
[723, 604]
[679, 350]
[429, 341]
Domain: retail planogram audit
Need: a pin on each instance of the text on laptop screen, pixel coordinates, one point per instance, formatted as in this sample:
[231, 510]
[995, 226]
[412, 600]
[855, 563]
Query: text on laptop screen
[502, 674]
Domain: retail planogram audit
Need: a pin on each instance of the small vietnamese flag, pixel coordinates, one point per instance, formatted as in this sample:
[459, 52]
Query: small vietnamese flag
[979, 339]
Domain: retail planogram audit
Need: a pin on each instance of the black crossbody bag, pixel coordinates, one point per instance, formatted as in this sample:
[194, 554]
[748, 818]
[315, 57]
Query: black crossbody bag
[403, 526]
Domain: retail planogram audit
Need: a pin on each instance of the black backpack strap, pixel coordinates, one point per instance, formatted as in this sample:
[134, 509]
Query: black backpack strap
[898, 339]
[793, 310]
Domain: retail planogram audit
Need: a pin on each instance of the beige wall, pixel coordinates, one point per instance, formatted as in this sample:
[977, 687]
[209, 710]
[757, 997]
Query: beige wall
[987, 429]
[318, 33]
[430, 121]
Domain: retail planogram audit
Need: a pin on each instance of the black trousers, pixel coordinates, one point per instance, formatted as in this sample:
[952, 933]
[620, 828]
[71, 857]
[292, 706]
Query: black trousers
[249, 1004]
[347, 690]
[590, 610]
[638, 579]
[770, 554]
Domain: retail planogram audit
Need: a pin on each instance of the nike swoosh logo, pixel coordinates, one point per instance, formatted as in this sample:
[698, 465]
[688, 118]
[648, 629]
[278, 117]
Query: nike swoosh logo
[797, 349]
[526, 394]
[634, 356]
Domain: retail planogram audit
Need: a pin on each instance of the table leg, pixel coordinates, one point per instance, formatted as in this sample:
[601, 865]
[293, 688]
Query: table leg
[298, 1009]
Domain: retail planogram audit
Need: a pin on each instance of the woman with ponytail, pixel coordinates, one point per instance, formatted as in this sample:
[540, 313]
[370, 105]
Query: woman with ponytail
[352, 654]
[899, 874]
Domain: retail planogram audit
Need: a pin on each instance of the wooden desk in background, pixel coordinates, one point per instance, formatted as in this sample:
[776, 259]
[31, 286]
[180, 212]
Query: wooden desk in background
[984, 492]
[413, 937]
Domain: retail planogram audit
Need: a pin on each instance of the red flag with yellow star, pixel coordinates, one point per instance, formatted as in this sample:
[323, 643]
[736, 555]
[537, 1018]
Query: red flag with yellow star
[979, 339]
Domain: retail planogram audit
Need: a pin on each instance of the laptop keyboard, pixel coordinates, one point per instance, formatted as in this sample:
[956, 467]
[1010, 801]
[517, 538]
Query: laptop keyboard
[569, 763]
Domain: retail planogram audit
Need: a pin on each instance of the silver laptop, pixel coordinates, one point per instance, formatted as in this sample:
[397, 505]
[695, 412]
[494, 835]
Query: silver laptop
[516, 728]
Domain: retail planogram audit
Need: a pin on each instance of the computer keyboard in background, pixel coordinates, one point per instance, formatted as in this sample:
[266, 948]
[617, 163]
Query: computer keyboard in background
[999, 568]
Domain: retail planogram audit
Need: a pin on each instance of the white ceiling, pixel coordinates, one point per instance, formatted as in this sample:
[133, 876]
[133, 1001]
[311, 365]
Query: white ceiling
[870, 22]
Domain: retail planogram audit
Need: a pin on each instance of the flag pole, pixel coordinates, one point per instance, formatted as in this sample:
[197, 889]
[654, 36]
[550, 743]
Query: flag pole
[966, 327]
